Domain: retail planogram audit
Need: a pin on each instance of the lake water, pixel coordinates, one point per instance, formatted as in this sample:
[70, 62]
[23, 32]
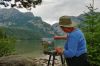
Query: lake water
[32, 48]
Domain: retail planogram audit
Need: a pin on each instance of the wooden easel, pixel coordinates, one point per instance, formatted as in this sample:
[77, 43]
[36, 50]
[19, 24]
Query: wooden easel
[53, 54]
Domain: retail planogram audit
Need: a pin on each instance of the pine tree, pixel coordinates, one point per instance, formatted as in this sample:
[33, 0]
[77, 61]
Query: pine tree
[92, 33]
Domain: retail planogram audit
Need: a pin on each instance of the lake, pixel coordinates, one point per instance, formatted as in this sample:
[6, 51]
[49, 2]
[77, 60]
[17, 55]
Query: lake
[32, 48]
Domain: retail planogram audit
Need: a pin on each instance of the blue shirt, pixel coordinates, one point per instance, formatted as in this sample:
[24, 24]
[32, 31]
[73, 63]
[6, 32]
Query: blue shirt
[75, 44]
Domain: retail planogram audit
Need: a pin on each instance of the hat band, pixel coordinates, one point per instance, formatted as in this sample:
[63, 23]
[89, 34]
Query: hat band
[67, 25]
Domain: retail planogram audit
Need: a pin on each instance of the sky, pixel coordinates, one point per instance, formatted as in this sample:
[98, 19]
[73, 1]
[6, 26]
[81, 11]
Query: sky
[51, 10]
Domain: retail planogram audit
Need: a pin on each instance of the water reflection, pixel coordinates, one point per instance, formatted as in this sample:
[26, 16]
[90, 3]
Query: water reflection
[32, 47]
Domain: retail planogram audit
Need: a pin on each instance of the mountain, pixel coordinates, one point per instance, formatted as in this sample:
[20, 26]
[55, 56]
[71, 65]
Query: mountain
[27, 26]
[57, 29]
[24, 25]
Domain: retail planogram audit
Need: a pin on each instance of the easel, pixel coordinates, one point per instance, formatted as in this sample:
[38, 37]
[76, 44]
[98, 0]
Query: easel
[48, 46]
[53, 54]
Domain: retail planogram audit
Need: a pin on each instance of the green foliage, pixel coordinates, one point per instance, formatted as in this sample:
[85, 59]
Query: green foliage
[29, 3]
[23, 3]
[92, 32]
[7, 45]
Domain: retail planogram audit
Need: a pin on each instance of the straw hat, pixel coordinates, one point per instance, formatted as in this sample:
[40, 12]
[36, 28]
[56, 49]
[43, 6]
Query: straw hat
[66, 21]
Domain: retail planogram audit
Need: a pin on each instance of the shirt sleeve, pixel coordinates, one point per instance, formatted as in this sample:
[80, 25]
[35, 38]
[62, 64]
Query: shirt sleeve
[72, 45]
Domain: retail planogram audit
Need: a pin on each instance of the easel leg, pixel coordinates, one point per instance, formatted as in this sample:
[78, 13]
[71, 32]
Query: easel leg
[53, 60]
[49, 60]
[62, 60]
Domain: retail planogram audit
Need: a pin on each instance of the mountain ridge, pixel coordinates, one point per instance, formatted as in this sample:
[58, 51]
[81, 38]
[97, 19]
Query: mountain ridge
[17, 21]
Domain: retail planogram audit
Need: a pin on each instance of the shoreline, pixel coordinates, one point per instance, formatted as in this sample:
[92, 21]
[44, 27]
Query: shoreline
[33, 61]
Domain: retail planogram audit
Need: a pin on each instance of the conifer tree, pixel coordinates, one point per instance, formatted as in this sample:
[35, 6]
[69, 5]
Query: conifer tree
[92, 33]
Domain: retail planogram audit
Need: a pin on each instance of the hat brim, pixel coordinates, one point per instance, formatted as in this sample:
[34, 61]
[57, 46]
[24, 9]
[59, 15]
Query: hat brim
[66, 26]
[74, 24]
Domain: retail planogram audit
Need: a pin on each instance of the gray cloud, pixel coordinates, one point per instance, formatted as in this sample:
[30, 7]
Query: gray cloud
[51, 10]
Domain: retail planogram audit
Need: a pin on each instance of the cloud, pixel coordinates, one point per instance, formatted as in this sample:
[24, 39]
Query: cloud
[51, 10]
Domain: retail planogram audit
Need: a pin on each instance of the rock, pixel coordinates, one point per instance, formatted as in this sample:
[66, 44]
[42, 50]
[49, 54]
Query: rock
[27, 61]
[16, 61]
